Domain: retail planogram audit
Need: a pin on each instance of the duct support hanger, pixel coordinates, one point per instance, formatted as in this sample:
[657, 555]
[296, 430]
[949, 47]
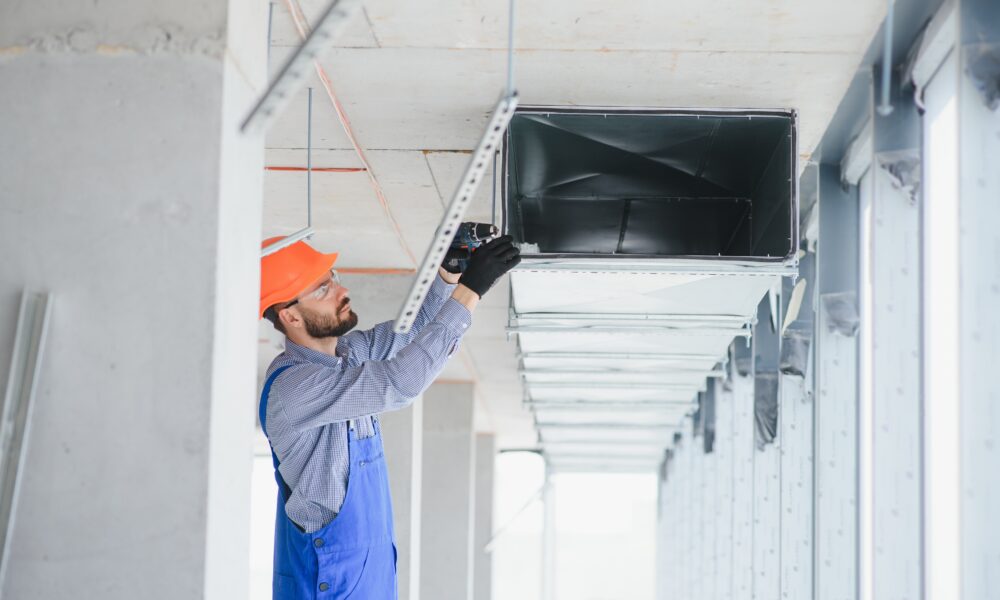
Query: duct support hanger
[460, 200]
[885, 106]
[292, 76]
[307, 232]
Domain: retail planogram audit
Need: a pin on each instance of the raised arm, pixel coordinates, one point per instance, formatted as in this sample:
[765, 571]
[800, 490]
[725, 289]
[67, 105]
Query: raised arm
[382, 343]
[317, 394]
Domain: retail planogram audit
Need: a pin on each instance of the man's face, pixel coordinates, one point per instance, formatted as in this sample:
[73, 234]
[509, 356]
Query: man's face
[329, 315]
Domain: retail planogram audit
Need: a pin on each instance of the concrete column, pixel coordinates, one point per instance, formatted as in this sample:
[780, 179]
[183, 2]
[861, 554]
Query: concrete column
[482, 572]
[403, 440]
[129, 195]
[448, 492]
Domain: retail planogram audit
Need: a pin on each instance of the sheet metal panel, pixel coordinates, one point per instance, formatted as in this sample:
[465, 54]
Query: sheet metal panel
[619, 393]
[675, 516]
[619, 362]
[691, 522]
[690, 379]
[687, 522]
[624, 342]
[723, 451]
[602, 464]
[676, 271]
[668, 417]
[896, 391]
[604, 434]
[701, 182]
[709, 501]
[696, 539]
[767, 521]
[613, 448]
[540, 291]
[979, 297]
[796, 432]
[836, 405]
[743, 482]
[836, 463]
[665, 530]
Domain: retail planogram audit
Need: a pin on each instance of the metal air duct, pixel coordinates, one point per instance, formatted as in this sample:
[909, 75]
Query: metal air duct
[649, 236]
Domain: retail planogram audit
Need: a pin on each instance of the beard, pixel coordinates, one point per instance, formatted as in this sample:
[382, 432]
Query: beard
[324, 326]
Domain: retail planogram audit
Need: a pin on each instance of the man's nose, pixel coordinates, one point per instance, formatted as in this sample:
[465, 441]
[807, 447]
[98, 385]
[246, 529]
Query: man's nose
[341, 293]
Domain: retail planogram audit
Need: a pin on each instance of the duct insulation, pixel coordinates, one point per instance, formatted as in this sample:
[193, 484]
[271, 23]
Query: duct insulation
[648, 237]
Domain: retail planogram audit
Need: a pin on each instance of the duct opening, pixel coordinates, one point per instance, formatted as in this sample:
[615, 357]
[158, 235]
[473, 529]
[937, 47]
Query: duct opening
[647, 183]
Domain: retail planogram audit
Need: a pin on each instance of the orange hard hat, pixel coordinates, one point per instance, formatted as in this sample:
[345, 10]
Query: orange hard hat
[288, 272]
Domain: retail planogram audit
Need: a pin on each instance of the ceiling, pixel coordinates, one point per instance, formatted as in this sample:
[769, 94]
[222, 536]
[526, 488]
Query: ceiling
[418, 81]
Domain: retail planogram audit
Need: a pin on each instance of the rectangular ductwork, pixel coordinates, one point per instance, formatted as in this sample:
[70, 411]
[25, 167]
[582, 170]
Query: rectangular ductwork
[652, 184]
[648, 239]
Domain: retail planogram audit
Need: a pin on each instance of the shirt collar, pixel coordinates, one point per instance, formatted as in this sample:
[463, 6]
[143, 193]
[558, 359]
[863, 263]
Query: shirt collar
[301, 353]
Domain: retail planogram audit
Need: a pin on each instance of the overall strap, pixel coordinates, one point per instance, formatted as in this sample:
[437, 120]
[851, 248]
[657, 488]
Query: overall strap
[285, 490]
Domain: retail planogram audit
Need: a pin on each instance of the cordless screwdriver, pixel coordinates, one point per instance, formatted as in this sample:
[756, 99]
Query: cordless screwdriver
[468, 237]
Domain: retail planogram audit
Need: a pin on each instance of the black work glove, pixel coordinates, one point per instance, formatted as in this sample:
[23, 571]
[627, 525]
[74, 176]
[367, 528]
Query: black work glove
[489, 263]
[468, 237]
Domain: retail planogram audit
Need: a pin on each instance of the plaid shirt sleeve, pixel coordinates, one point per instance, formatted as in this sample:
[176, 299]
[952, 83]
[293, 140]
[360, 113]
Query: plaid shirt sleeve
[327, 394]
[381, 342]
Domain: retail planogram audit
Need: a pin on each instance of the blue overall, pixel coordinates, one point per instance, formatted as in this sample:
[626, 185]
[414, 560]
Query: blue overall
[354, 556]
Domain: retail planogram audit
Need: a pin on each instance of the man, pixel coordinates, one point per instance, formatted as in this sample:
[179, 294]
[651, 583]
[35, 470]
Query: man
[333, 528]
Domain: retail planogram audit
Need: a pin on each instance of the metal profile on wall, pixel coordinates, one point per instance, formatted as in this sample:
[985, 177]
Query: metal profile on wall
[15, 419]
[642, 232]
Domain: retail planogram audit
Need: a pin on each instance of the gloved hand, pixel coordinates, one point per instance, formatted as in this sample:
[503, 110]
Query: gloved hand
[468, 237]
[489, 262]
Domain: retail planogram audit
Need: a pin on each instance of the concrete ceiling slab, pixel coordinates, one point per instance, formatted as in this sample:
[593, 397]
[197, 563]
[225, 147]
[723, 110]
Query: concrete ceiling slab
[689, 25]
[358, 34]
[440, 99]
[346, 216]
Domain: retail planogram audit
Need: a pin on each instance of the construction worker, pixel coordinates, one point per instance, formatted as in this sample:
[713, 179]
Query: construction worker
[333, 528]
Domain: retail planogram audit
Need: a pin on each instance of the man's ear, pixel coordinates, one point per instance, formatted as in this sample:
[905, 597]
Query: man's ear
[290, 318]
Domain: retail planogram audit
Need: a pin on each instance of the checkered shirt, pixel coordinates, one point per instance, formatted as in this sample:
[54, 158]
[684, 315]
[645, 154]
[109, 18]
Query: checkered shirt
[312, 404]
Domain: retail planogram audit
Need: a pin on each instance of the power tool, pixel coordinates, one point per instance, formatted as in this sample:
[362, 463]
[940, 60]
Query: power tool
[468, 237]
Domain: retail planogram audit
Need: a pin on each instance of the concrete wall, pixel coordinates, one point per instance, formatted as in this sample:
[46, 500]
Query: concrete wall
[128, 195]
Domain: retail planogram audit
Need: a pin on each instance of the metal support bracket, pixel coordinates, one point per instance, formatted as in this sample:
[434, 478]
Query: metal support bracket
[292, 76]
[15, 420]
[452, 218]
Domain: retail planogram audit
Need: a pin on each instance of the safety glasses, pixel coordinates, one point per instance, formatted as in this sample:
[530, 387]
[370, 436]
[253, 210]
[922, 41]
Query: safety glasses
[320, 292]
